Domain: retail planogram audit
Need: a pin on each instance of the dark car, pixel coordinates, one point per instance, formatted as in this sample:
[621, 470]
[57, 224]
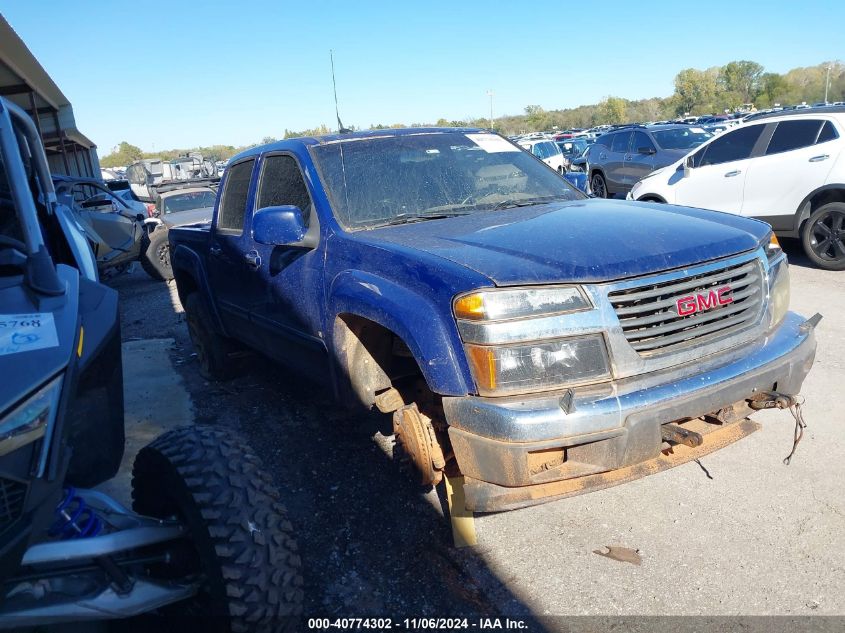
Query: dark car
[624, 156]
[175, 205]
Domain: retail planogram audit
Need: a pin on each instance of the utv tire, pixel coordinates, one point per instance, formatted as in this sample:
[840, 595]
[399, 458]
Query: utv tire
[598, 186]
[248, 557]
[823, 236]
[155, 255]
[215, 352]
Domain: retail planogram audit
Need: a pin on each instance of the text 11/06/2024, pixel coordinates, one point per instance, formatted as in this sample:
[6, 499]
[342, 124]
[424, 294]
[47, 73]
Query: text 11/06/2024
[416, 624]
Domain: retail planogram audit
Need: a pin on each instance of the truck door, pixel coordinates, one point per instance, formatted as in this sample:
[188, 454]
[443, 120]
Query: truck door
[284, 285]
[228, 269]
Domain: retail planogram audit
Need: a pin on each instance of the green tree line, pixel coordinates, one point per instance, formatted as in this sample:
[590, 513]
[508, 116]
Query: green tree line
[697, 92]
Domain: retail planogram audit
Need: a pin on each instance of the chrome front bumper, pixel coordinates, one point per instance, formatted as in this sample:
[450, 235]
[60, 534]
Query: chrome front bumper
[522, 441]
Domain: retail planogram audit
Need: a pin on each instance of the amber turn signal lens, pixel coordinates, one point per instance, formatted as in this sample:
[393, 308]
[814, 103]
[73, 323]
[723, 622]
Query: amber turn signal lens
[483, 362]
[470, 307]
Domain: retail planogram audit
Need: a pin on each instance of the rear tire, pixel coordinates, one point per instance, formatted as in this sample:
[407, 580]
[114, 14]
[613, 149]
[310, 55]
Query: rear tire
[155, 255]
[212, 481]
[215, 353]
[823, 236]
[598, 186]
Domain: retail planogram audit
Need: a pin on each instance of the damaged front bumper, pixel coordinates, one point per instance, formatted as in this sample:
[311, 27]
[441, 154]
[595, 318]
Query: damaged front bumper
[521, 451]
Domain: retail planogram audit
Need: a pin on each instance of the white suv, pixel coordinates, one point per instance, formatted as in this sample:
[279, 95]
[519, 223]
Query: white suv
[547, 151]
[786, 169]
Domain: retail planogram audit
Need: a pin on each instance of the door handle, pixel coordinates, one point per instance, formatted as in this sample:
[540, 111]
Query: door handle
[818, 159]
[253, 260]
[731, 174]
[215, 250]
[629, 157]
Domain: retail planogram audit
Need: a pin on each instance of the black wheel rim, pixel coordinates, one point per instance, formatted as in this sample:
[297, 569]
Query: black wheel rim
[598, 186]
[827, 236]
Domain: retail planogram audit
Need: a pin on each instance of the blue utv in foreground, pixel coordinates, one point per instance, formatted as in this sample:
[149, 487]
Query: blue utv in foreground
[208, 533]
[537, 342]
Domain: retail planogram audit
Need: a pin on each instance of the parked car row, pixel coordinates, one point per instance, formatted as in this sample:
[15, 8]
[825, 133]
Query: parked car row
[619, 159]
[782, 166]
[787, 168]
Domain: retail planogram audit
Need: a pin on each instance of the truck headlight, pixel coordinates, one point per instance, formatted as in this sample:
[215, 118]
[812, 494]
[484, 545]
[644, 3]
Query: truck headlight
[30, 420]
[779, 291]
[493, 305]
[772, 246]
[528, 367]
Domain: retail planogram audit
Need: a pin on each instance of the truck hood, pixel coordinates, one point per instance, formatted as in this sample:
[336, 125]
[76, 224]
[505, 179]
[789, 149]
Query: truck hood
[587, 241]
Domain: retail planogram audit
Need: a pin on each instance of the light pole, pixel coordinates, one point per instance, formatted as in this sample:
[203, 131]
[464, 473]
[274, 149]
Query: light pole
[826, 84]
[490, 94]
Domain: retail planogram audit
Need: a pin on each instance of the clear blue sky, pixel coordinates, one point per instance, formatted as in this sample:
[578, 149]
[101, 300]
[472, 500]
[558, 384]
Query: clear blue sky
[180, 74]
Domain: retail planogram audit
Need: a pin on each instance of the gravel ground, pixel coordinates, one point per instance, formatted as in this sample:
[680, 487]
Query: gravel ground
[754, 537]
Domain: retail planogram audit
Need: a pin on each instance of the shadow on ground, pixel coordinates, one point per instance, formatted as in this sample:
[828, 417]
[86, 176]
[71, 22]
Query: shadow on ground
[372, 543]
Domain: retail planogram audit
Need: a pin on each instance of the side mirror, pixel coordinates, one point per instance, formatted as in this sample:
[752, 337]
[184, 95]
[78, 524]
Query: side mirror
[278, 226]
[646, 150]
[140, 217]
[687, 166]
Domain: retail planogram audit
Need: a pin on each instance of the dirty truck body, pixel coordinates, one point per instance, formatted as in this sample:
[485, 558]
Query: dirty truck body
[538, 337]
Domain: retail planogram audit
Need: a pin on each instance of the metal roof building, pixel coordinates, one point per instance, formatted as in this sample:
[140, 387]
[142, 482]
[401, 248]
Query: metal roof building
[24, 81]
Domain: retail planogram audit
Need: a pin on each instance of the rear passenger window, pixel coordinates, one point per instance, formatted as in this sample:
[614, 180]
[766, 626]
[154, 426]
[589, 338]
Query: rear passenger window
[735, 145]
[828, 133]
[281, 183]
[620, 142]
[790, 135]
[230, 216]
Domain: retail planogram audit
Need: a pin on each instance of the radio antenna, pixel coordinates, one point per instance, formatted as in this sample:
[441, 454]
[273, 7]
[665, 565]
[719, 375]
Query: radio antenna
[340, 128]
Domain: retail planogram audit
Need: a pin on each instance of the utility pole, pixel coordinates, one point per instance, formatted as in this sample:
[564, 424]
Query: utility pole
[490, 94]
[827, 83]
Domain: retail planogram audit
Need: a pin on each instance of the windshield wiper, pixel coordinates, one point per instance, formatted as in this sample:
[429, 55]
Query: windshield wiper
[408, 218]
[510, 204]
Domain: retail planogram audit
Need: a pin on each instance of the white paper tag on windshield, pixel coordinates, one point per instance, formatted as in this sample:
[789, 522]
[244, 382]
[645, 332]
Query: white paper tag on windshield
[27, 332]
[697, 130]
[492, 143]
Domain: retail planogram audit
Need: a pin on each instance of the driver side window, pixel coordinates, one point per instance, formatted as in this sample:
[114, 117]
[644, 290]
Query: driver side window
[281, 183]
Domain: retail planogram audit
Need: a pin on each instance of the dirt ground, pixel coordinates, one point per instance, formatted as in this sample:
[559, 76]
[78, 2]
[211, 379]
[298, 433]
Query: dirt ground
[739, 533]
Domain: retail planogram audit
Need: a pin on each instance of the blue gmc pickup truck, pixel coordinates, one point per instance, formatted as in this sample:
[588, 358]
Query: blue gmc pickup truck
[535, 341]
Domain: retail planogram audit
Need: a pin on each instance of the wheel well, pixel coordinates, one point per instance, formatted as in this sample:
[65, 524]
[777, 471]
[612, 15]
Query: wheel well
[651, 198]
[818, 200]
[373, 360]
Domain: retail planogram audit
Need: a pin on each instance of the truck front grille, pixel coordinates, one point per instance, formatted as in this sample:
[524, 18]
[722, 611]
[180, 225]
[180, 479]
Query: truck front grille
[649, 314]
[12, 494]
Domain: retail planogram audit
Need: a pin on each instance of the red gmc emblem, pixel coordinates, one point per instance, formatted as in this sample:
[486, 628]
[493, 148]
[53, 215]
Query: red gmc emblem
[691, 304]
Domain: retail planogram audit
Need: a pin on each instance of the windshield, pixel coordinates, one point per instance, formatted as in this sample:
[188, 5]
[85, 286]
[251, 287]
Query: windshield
[392, 179]
[680, 138]
[189, 201]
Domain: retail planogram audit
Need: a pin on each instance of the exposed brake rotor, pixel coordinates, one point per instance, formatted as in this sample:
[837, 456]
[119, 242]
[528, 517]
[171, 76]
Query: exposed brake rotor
[416, 437]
